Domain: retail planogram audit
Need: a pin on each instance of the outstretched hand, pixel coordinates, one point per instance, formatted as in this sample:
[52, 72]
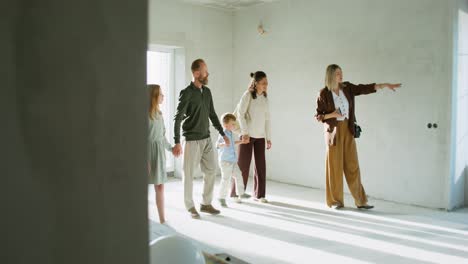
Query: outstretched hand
[394, 86]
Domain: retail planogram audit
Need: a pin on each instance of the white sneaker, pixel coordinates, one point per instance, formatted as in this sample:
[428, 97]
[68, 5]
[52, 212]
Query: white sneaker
[245, 196]
[236, 199]
[262, 200]
[222, 202]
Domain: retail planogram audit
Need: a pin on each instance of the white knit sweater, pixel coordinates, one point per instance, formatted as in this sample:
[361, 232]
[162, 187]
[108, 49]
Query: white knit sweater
[254, 117]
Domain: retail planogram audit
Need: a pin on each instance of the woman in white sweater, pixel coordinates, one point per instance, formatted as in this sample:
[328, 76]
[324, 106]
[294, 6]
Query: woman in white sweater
[254, 121]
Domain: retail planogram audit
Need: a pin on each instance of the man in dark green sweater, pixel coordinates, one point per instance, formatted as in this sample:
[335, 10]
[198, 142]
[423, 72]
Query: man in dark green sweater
[195, 110]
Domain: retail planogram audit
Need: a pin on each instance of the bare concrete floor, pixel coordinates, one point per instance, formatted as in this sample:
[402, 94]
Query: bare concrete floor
[297, 227]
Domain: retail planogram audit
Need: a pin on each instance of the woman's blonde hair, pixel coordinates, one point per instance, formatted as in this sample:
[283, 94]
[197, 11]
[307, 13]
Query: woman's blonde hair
[330, 75]
[154, 92]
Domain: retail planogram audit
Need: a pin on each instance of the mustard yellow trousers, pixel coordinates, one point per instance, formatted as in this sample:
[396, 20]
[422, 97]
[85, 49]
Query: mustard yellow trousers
[342, 158]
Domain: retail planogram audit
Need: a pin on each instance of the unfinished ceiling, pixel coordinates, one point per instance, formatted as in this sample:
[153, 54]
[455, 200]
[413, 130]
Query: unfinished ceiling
[228, 4]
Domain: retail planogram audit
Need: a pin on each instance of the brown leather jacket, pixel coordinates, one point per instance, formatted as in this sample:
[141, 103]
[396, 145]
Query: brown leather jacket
[326, 105]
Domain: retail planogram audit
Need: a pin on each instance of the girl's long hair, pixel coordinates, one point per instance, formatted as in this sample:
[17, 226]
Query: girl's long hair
[154, 92]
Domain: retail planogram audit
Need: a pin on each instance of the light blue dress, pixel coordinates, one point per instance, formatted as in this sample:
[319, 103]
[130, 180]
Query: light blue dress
[157, 146]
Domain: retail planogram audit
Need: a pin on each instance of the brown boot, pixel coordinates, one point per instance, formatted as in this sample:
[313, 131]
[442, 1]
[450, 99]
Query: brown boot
[209, 209]
[193, 213]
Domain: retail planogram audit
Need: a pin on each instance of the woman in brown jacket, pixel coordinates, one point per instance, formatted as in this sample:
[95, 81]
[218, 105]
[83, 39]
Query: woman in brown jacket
[335, 109]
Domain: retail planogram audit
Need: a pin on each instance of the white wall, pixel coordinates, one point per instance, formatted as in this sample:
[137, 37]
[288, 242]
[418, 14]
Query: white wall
[458, 185]
[374, 41]
[202, 32]
[74, 136]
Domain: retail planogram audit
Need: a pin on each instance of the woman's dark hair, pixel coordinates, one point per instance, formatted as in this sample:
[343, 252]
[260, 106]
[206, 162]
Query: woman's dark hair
[257, 76]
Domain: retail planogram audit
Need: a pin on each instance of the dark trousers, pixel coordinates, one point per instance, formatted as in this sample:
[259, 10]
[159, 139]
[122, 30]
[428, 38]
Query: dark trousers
[257, 146]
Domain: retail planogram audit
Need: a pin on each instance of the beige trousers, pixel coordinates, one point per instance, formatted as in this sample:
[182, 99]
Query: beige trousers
[343, 158]
[230, 172]
[199, 152]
